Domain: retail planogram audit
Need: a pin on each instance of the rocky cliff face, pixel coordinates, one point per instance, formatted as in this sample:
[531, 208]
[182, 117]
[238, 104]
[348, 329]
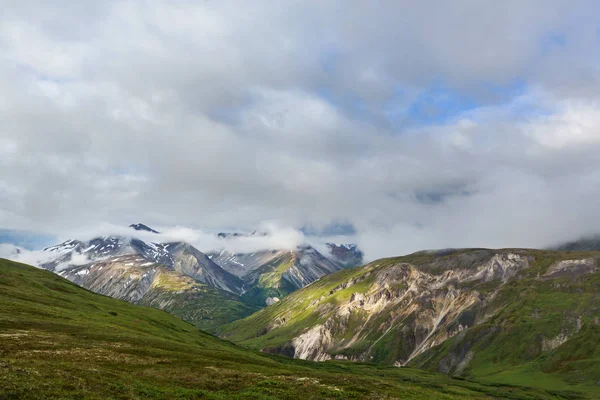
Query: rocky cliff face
[438, 310]
[425, 302]
[242, 264]
[189, 261]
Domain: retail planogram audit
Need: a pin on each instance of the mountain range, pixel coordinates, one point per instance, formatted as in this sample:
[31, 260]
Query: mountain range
[205, 289]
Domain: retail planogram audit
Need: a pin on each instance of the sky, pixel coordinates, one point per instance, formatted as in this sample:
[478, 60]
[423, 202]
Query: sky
[398, 125]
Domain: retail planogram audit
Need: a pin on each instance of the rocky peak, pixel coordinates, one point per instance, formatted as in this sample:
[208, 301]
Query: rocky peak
[142, 227]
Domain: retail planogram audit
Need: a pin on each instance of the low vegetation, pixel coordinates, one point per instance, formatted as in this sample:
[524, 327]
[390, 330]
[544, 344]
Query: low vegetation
[59, 341]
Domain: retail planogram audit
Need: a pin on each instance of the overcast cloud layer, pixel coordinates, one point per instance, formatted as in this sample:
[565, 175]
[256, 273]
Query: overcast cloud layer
[421, 124]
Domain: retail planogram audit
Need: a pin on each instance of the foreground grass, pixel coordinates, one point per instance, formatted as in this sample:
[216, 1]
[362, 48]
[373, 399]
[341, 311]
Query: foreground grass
[58, 340]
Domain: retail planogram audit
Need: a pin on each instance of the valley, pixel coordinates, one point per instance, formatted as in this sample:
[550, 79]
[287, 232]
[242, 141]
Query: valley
[66, 342]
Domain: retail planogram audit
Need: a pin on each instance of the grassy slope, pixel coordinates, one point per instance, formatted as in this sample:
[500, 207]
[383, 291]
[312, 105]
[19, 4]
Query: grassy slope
[202, 305]
[58, 340]
[510, 356]
[124, 277]
[250, 331]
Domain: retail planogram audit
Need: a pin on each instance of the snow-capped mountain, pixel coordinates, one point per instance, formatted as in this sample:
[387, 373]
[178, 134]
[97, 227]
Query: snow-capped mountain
[305, 265]
[76, 252]
[241, 264]
[179, 256]
[258, 275]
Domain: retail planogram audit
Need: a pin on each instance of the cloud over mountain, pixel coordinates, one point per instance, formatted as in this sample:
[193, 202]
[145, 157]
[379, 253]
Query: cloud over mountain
[435, 125]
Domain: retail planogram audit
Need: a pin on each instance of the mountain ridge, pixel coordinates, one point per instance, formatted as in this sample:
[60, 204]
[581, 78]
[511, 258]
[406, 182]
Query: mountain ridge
[129, 268]
[451, 311]
[276, 273]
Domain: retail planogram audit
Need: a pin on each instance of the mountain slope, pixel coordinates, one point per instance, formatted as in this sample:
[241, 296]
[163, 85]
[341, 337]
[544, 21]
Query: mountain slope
[485, 314]
[190, 261]
[135, 279]
[75, 252]
[128, 268]
[180, 256]
[262, 274]
[59, 341]
[276, 273]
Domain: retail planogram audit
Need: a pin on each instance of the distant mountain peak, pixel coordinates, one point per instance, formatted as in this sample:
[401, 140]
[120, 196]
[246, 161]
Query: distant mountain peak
[229, 235]
[142, 227]
[348, 254]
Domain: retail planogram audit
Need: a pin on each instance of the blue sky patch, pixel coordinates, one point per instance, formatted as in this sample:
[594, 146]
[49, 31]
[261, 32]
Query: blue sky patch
[28, 240]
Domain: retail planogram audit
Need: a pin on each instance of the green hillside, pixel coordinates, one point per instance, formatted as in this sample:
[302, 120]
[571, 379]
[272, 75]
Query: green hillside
[510, 316]
[59, 341]
[133, 278]
[268, 281]
[202, 305]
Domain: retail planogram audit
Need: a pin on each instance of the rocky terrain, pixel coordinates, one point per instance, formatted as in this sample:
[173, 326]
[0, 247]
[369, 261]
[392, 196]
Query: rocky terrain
[473, 313]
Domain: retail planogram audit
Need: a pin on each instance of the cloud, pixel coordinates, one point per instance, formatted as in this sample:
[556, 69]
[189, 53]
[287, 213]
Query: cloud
[220, 116]
[25, 256]
[270, 236]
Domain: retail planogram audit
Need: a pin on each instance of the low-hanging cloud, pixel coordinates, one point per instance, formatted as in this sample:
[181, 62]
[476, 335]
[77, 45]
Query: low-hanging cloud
[269, 236]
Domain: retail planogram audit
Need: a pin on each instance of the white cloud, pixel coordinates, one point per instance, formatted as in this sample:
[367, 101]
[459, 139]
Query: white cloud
[221, 114]
[576, 123]
[18, 254]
